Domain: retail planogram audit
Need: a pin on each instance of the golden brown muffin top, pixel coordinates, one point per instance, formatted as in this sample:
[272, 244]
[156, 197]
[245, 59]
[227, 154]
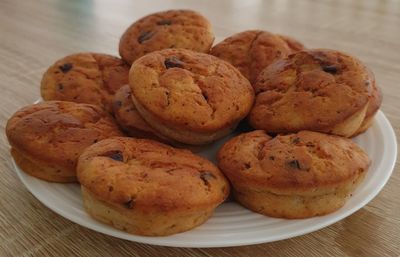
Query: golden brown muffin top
[145, 174]
[310, 90]
[85, 78]
[190, 90]
[252, 50]
[303, 163]
[168, 29]
[57, 132]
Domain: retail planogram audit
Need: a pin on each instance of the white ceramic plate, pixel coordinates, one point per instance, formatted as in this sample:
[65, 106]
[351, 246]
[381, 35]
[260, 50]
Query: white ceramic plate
[231, 224]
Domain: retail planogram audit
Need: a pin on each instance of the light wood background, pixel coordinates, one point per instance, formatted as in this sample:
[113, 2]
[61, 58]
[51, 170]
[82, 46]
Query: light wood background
[33, 34]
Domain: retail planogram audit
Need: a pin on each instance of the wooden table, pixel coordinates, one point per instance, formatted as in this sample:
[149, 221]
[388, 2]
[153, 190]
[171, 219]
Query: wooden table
[33, 34]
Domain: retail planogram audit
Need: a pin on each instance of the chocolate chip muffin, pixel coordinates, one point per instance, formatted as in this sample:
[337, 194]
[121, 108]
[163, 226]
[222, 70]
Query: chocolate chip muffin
[292, 176]
[252, 50]
[148, 188]
[85, 78]
[47, 138]
[319, 90]
[191, 97]
[169, 29]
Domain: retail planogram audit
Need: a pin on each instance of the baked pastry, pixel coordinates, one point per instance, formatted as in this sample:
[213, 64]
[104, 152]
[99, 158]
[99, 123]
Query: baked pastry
[293, 176]
[319, 90]
[375, 101]
[168, 29]
[252, 50]
[191, 97]
[85, 78]
[47, 138]
[148, 188]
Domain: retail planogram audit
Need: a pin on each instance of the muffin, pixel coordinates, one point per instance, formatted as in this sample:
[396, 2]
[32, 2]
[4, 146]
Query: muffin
[319, 90]
[85, 78]
[292, 176]
[148, 188]
[253, 50]
[169, 29]
[47, 138]
[191, 97]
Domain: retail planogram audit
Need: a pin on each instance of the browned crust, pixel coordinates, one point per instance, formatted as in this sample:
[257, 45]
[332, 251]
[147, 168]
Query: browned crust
[91, 78]
[252, 50]
[133, 220]
[296, 206]
[42, 170]
[151, 176]
[168, 29]
[203, 95]
[307, 163]
[55, 133]
[296, 93]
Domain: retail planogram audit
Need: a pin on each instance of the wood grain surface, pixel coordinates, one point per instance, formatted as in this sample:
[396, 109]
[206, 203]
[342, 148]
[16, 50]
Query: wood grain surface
[33, 34]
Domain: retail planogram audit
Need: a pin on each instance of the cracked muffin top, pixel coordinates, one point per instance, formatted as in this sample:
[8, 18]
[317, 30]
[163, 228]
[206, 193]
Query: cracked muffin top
[252, 50]
[146, 174]
[190, 90]
[306, 163]
[85, 78]
[310, 90]
[56, 132]
[169, 29]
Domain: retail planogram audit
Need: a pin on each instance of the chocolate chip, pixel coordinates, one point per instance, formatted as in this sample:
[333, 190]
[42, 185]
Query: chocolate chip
[309, 144]
[332, 69]
[145, 36]
[164, 22]
[173, 62]
[117, 104]
[115, 155]
[60, 87]
[205, 176]
[294, 164]
[295, 140]
[65, 67]
[129, 204]
[247, 165]
[271, 158]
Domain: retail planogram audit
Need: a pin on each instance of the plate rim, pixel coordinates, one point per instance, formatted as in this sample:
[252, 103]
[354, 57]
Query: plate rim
[389, 159]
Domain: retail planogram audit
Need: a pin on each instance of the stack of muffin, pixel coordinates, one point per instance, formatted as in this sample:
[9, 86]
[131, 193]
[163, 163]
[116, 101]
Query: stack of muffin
[120, 127]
